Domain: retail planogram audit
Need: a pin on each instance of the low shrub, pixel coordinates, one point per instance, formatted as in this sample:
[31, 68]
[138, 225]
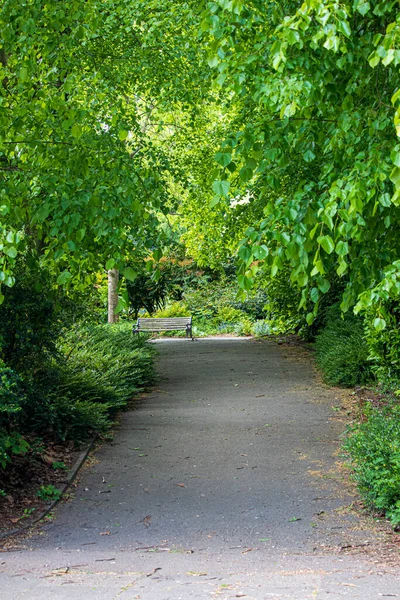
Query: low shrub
[176, 309]
[384, 344]
[98, 370]
[373, 447]
[342, 351]
[106, 367]
[262, 327]
[11, 399]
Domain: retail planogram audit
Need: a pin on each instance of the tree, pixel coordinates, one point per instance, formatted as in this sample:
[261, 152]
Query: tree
[82, 183]
[315, 141]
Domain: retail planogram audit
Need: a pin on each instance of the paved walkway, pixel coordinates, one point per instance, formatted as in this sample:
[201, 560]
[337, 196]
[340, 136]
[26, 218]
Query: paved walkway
[222, 483]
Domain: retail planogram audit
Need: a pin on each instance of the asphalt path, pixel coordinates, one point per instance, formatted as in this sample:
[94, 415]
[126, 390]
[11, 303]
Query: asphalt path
[223, 482]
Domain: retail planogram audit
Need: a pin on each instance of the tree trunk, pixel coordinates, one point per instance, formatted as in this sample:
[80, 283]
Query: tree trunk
[112, 295]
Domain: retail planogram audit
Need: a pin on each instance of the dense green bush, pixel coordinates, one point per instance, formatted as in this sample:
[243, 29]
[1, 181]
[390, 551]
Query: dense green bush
[11, 398]
[104, 367]
[342, 351]
[32, 317]
[373, 447]
[94, 373]
[384, 344]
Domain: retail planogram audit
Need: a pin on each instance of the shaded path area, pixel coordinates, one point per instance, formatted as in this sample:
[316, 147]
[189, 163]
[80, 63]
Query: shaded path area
[222, 483]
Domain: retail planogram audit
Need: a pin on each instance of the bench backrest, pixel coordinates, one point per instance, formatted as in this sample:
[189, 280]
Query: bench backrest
[164, 324]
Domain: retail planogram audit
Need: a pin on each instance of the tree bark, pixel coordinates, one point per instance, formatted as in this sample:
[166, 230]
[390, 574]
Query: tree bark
[113, 276]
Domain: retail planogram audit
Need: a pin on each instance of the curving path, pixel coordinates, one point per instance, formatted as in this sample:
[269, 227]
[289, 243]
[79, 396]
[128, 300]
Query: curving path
[222, 483]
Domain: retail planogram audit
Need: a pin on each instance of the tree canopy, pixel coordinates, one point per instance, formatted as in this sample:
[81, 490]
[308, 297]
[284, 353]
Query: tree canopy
[82, 181]
[270, 128]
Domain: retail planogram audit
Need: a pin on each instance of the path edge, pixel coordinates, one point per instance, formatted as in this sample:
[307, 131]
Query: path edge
[80, 461]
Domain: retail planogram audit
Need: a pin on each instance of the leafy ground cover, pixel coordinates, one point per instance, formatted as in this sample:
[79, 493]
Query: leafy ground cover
[372, 447]
[45, 419]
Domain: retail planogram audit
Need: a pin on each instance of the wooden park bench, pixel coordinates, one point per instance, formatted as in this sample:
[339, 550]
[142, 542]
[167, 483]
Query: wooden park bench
[164, 324]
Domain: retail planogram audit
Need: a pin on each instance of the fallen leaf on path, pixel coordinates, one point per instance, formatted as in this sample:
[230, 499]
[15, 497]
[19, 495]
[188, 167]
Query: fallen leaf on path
[348, 584]
[146, 521]
[105, 533]
[153, 571]
[180, 484]
[249, 550]
[104, 559]
[194, 574]
[14, 520]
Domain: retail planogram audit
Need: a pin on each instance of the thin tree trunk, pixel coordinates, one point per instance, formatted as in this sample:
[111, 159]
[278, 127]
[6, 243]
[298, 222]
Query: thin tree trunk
[113, 276]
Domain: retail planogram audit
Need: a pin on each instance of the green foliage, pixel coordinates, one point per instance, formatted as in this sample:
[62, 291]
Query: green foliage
[145, 292]
[98, 369]
[374, 450]
[314, 152]
[176, 309]
[342, 351]
[262, 327]
[58, 465]
[32, 317]
[82, 93]
[11, 444]
[384, 343]
[106, 367]
[232, 320]
[49, 493]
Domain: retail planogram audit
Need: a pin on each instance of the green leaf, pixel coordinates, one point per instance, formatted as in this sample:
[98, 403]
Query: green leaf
[11, 251]
[395, 176]
[246, 283]
[246, 174]
[23, 74]
[122, 134]
[342, 248]
[221, 187]
[122, 305]
[64, 277]
[314, 295]
[130, 274]
[379, 324]
[110, 264]
[260, 252]
[157, 254]
[327, 243]
[374, 60]
[310, 318]
[213, 61]
[395, 96]
[362, 6]
[344, 27]
[245, 253]
[76, 130]
[223, 159]
[324, 285]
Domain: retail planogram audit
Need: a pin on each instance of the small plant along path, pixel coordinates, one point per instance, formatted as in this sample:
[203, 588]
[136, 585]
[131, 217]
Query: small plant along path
[222, 483]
